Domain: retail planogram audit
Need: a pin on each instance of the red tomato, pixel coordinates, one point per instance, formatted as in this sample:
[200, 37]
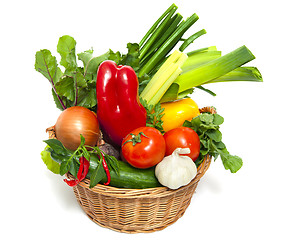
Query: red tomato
[182, 137]
[144, 147]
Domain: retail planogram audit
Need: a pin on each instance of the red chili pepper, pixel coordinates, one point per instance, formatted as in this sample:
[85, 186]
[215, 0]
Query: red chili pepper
[82, 172]
[119, 110]
[106, 169]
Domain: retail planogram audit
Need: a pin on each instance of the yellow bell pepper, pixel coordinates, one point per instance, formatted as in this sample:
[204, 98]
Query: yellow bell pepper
[175, 113]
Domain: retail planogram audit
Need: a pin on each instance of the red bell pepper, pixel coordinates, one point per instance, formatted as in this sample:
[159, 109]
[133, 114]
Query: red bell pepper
[119, 110]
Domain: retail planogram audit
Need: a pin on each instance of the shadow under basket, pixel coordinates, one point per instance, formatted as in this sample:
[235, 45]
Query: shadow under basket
[137, 210]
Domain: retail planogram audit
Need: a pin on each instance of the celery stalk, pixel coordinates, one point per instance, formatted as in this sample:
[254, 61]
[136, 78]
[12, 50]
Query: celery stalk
[158, 80]
[161, 91]
[214, 69]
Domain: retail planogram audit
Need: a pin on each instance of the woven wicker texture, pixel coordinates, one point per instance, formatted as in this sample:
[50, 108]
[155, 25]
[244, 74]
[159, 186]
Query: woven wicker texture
[137, 210]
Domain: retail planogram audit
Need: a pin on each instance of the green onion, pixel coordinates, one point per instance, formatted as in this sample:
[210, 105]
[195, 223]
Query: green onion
[173, 24]
[173, 7]
[155, 35]
[191, 39]
[168, 45]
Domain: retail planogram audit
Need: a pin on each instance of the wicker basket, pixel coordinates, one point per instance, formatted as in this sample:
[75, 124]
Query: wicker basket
[137, 210]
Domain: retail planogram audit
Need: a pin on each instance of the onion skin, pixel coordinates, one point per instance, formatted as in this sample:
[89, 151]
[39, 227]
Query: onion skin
[76, 121]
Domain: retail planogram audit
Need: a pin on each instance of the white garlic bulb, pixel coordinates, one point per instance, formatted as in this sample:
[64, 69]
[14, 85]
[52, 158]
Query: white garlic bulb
[176, 170]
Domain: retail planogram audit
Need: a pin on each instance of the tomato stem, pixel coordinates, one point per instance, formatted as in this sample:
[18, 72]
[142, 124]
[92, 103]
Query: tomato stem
[135, 138]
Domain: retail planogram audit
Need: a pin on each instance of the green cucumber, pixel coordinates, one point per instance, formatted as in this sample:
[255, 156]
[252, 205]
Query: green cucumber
[128, 177]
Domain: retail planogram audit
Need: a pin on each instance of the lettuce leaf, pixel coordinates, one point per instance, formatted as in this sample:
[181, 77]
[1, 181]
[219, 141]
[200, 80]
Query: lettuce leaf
[49, 162]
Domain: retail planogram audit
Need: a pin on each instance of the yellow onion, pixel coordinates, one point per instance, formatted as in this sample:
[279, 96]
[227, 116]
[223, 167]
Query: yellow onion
[76, 121]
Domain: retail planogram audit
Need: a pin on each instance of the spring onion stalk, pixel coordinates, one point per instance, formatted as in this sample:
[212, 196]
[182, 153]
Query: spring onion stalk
[163, 78]
[173, 24]
[191, 39]
[162, 27]
[173, 7]
[214, 69]
[168, 45]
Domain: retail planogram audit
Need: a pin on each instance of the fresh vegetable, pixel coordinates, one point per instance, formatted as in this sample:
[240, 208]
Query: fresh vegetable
[164, 77]
[202, 66]
[50, 164]
[154, 115]
[76, 121]
[127, 177]
[104, 164]
[119, 110]
[138, 96]
[82, 172]
[176, 170]
[176, 112]
[211, 71]
[207, 127]
[73, 87]
[143, 147]
[161, 38]
[69, 159]
[182, 137]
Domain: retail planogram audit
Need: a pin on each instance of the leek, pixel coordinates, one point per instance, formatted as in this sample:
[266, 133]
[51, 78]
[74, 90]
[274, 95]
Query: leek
[175, 76]
[250, 74]
[199, 59]
[214, 69]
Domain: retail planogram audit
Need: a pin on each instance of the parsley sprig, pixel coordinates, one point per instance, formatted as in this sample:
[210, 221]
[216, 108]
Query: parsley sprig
[154, 115]
[207, 127]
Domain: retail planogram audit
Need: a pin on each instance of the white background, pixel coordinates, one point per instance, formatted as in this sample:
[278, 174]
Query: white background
[247, 205]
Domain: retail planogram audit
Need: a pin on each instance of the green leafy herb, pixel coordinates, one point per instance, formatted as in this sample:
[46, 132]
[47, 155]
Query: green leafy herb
[70, 88]
[67, 49]
[154, 115]
[57, 146]
[132, 57]
[207, 127]
[97, 175]
[69, 159]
